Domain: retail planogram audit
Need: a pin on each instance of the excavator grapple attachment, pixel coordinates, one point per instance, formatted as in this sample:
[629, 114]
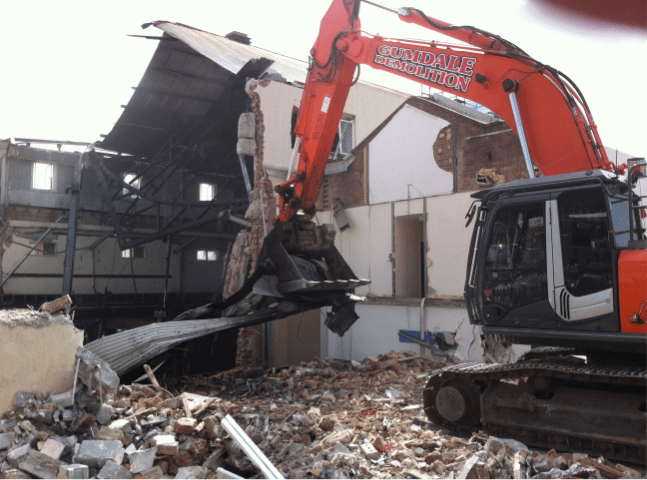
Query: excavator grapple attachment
[306, 266]
[306, 261]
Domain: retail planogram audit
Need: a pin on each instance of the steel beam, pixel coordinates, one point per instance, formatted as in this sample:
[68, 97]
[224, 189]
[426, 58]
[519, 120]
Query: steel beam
[70, 246]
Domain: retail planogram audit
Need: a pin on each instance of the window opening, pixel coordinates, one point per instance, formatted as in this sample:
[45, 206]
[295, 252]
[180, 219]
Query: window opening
[207, 255]
[207, 192]
[136, 252]
[43, 176]
[49, 248]
[345, 138]
[130, 179]
[515, 271]
[586, 242]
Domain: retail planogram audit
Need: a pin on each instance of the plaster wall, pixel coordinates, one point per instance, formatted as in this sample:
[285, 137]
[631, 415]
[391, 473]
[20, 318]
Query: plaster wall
[448, 243]
[35, 356]
[367, 247]
[376, 332]
[99, 269]
[402, 163]
[369, 104]
[367, 244]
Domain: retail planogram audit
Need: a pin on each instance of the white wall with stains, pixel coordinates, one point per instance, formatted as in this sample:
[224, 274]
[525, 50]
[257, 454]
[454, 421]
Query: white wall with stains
[402, 161]
[367, 248]
[369, 104]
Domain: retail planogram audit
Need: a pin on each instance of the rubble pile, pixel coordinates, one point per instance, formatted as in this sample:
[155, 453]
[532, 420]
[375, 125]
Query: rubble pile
[323, 419]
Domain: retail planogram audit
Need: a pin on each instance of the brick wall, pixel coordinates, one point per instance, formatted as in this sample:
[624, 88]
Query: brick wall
[501, 152]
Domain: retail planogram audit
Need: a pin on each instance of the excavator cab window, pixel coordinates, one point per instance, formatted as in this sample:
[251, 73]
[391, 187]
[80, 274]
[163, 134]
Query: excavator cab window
[515, 264]
[586, 241]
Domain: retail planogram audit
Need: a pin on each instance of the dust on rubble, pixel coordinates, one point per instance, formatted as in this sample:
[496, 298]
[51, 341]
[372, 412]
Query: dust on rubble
[322, 419]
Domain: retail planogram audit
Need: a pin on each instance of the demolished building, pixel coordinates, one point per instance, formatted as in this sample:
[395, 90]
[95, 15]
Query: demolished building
[162, 203]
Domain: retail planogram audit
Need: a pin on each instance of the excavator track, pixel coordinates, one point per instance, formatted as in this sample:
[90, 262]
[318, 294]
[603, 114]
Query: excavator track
[572, 403]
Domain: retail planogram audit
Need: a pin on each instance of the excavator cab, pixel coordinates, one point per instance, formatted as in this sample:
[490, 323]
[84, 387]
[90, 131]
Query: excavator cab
[547, 258]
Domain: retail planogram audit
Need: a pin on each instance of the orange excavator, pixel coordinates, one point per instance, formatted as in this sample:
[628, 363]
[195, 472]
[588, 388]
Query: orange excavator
[558, 262]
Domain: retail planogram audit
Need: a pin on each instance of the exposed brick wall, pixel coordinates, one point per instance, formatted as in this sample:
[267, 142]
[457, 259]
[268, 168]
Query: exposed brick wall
[348, 186]
[501, 152]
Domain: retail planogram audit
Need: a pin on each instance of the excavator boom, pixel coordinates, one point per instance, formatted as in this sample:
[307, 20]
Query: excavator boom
[560, 133]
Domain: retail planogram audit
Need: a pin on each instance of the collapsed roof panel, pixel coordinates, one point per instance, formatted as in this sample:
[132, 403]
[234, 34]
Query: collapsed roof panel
[180, 91]
[233, 55]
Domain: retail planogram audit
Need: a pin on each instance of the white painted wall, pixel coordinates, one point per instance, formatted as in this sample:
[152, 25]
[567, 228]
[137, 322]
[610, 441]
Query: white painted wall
[367, 246]
[369, 104]
[402, 161]
[106, 259]
[448, 243]
[376, 332]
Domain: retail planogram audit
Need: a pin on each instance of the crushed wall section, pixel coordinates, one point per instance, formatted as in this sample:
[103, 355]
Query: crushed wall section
[36, 354]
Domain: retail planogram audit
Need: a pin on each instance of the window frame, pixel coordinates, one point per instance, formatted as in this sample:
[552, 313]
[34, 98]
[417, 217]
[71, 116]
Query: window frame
[214, 191]
[207, 254]
[137, 184]
[52, 177]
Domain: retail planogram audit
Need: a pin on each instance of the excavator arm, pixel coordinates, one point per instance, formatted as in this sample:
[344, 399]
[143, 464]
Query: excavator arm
[529, 96]
[539, 103]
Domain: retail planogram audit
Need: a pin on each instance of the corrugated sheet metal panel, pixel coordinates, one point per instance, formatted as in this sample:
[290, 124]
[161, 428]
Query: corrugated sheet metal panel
[233, 55]
[20, 176]
[125, 350]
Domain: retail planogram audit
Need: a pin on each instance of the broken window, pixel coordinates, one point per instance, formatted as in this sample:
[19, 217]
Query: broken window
[207, 192]
[130, 179]
[207, 255]
[137, 252]
[43, 176]
[345, 138]
[409, 257]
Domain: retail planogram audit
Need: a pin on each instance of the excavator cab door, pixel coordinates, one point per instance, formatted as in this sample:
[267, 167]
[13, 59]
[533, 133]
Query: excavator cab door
[581, 260]
[513, 265]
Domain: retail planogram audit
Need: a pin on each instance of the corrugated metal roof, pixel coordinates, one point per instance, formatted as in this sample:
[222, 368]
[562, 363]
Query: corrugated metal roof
[233, 55]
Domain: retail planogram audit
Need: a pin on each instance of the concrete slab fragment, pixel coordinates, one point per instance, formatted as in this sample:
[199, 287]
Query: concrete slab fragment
[112, 470]
[39, 465]
[142, 460]
[166, 444]
[15, 456]
[95, 453]
[6, 440]
[53, 448]
[74, 471]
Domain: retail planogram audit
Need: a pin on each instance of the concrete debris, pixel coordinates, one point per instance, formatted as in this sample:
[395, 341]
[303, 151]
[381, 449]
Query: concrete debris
[96, 373]
[322, 419]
